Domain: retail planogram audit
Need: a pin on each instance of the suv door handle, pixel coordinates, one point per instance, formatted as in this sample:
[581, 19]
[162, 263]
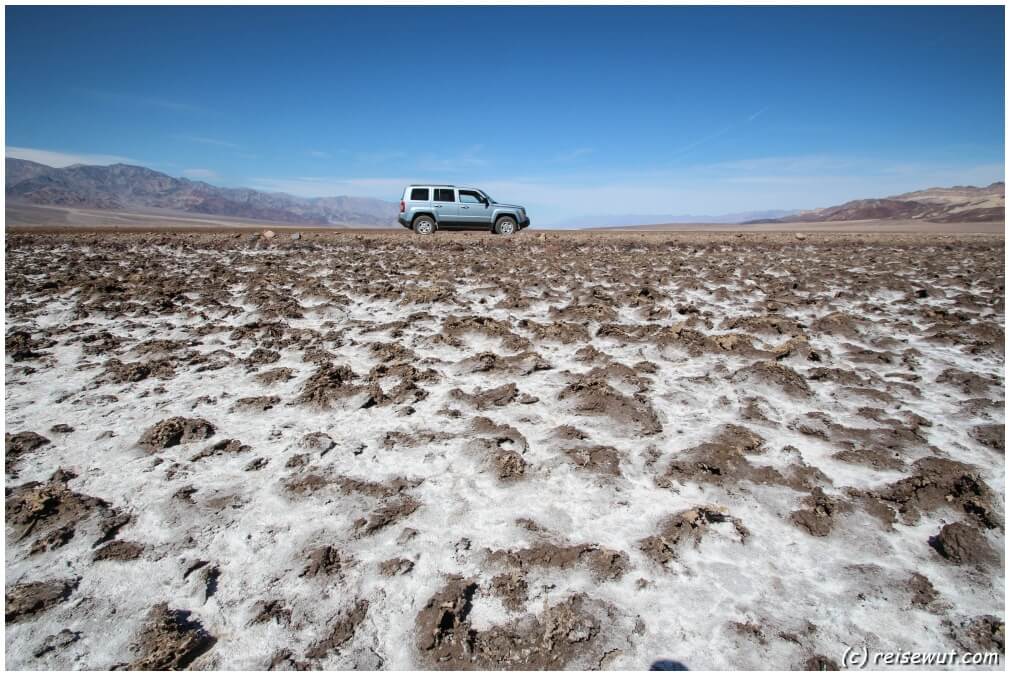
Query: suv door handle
[438, 206]
[464, 207]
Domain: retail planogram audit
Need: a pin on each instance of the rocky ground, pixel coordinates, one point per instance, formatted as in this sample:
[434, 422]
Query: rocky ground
[582, 451]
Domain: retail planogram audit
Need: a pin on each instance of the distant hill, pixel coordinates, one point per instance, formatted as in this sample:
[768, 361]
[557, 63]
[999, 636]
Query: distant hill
[124, 186]
[630, 220]
[960, 204]
[22, 170]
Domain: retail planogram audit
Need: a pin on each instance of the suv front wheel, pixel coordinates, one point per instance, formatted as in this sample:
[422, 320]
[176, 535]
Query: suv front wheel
[506, 225]
[424, 225]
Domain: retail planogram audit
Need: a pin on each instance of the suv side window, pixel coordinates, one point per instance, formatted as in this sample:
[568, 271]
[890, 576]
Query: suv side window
[419, 194]
[469, 197]
[444, 195]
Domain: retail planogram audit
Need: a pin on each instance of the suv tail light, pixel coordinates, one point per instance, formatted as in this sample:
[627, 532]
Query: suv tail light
[403, 206]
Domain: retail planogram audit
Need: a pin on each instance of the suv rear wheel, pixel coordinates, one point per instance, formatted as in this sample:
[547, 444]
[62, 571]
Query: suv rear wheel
[424, 225]
[506, 225]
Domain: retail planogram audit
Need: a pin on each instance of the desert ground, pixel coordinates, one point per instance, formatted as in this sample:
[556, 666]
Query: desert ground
[583, 450]
[45, 218]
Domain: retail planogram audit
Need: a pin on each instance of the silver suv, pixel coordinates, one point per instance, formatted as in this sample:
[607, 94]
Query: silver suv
[427, 208]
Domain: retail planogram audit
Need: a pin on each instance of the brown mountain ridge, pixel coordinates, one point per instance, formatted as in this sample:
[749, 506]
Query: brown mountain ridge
[125, 186]
[959, 204]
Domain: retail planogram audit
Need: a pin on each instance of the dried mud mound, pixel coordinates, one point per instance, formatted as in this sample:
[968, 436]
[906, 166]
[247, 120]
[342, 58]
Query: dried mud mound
[49, 515]
[328, 384]
[605, 564]
[961, 543]
[170, 640]
[685, 529]
[17, 445]
[569, 634]
[937, 483]
[26, 600]
[341, 630]
[583, 451]
[175, 431]
[596, 397]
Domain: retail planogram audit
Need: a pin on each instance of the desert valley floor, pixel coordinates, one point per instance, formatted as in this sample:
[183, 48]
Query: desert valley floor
[585, 451]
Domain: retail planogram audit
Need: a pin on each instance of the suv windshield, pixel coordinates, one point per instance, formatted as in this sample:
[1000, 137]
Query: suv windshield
[489, 198]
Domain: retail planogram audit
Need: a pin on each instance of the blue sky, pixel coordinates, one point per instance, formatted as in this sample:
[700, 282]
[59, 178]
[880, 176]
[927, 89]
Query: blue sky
[570, 110]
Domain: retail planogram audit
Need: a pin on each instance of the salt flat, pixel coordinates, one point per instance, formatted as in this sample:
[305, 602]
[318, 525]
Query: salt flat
[585, 451]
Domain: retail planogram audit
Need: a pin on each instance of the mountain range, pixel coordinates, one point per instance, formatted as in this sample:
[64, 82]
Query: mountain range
[129, 187]
[960, 204]
[125, 187]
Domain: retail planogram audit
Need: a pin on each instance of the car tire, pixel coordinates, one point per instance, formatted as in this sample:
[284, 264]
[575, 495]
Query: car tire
[424, 225]
[506, 225]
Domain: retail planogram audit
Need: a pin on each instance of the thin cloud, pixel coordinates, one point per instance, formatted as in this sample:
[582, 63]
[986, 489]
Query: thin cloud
[722, 132]
[134, 100]
[319, 154]
[792, 164]
[59, 158]
[711, 137]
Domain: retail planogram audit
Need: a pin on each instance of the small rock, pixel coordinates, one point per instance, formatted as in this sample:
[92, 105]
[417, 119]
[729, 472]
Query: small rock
[268, 234]
[317, 441]
[296, 236]
[175, 431]
[299, 460]
[961, 543]
[509, 465]
[922, 590]
[394, 567]
[222, 447]
[61, 428]
[119, 550]
[800, 236]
